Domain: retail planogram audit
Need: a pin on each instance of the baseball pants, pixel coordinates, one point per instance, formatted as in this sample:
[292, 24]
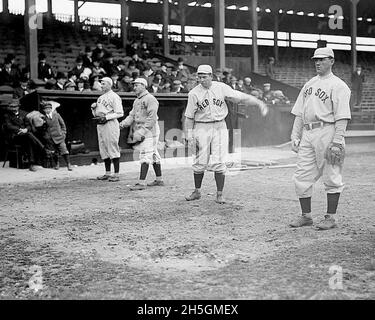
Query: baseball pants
[211, 149]
[311, 164]
[148, 148]
[108, 138]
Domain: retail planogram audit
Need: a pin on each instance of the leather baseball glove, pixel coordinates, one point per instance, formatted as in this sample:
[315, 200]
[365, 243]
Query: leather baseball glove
[335, 153]
[100, 120]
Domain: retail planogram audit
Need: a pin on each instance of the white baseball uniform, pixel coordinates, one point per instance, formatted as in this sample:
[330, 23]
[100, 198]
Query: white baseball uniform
[144, 118]
[208, 109]
[321, 102]
[109, 105]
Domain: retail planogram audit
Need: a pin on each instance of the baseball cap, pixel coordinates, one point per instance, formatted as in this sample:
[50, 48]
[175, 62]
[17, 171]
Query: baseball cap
[204, 68]
[141, 80]
[107, 79]
[324, 52]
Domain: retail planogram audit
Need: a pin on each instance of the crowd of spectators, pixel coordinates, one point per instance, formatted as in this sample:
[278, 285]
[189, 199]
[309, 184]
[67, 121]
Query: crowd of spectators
[94, 63]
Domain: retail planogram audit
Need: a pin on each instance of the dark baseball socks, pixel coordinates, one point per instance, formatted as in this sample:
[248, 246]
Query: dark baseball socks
[332, 203]
[157, 169]
[116, 166]
[198, 177]
[107, 164]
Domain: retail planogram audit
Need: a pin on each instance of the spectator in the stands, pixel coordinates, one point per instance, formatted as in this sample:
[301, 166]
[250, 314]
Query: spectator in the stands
[60, 81]
[78, 68]
[99, 52]
[270, 68]
[226, 77]
[115, 82]
[23, 89]
[133, 49]
[145, 52]
[183, 71]
[87, 57]
[86, 86]
[164, 72]
[177, 87]
[132, 68]
[139, 63]
[233, 83]
[95, 83]
[109, 65]
[358, 78]
[240, 85]
[12, 58]
[126, 84]
[71, 84]
[80, 85]
[167, 86]
[155, 88]
[135, 75]
[267, 93]
[218, 75]
[120, 69]
[44, 69]
[147, 74]
[279, 98]
[174, 74]
[9, 76]
[248, 87]
[97, 69]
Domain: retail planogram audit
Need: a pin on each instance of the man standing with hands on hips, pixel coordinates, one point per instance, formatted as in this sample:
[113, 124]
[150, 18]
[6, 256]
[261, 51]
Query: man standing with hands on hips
[322, 112]
[206, 130]
[106, 111]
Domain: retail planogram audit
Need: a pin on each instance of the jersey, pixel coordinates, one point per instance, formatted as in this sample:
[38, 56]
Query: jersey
[108, 103]
[144, 113]
[208, 105]
[324, 98]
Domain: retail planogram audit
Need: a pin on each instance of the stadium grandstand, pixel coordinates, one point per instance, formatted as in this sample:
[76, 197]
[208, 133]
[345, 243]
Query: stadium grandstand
[236, 37]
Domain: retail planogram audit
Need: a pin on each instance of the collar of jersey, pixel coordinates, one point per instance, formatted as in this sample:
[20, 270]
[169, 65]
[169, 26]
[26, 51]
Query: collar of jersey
[326, 76]
[143, 94]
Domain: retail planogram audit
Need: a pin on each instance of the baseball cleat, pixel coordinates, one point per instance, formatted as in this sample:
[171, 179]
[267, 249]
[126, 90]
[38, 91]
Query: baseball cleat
[156, 183]
[220, 199]
[138, 186]
[301, 221]
[327, 223]
[104, 177]
[114, 179]
[194, 196]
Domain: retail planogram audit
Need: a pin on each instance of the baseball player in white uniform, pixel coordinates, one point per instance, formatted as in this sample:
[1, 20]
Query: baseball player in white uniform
[322, 112]
[206, 130]
[144, 121]
[106, 111]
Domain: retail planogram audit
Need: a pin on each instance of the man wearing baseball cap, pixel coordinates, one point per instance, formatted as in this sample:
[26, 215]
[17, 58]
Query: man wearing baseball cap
[322, 112]
[206, 130]
[144, 133]
[106, 111]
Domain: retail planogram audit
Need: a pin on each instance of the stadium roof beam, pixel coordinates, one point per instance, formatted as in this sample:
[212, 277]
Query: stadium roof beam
[5, 7]
[31, 37]
[165, 28]
[353, 31]
[254, 29]
[219, 34]
[124, 23]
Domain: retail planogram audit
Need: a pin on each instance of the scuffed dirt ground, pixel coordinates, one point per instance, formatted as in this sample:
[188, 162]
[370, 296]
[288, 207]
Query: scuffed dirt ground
[88, 239]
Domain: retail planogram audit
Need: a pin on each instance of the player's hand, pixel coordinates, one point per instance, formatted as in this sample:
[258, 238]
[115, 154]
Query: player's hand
[22, 131]
[122, 125]
[263, 108]
[93, 105]
[295, 145]
[138, 137]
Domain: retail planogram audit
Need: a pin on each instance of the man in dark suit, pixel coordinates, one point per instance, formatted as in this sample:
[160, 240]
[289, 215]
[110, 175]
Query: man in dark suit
[9, 76]
[23, 89]
[17, 130]
[357, 86]
[44, 69]
[78, 68]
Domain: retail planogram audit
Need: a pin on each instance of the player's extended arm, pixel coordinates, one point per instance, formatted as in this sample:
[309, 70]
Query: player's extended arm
[127, 122]
[250, 100]
[296, 133]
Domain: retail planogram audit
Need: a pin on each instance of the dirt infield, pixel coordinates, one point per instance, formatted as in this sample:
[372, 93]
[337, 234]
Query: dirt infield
[77, 238]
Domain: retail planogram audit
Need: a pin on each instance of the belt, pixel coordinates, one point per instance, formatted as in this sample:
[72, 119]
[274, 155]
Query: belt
[314, 125]
[209, 121]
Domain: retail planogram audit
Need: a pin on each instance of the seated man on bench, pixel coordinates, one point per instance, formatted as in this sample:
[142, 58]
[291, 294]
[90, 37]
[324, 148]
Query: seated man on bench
[17, 130]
